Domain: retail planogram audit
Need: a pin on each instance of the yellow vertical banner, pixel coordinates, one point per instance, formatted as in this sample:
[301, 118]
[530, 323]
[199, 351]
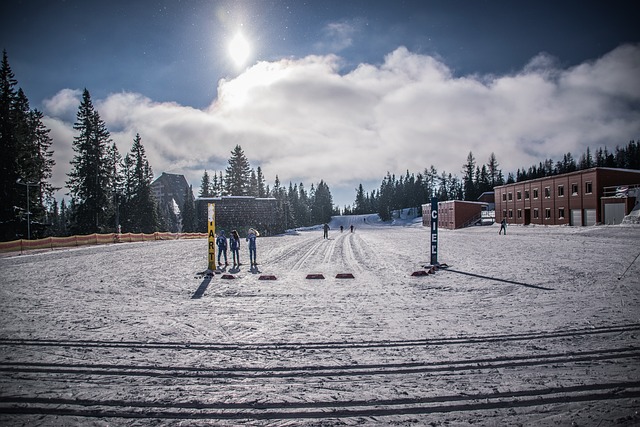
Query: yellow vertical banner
[211, 221]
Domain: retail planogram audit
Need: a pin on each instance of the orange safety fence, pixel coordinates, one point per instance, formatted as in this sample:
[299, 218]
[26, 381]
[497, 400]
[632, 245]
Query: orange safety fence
[92, 239]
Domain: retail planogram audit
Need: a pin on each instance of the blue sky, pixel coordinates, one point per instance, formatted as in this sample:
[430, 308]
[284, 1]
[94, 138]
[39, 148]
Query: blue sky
[337, 90]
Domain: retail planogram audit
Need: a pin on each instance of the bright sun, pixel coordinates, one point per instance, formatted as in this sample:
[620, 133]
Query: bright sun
[239, 49]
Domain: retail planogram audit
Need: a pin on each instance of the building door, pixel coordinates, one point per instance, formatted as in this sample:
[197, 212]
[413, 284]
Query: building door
[576, 217]
[527, 216]
[589, 217]
[613, 213]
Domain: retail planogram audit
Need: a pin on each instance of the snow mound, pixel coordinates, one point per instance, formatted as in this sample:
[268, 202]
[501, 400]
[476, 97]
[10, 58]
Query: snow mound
[633, 217]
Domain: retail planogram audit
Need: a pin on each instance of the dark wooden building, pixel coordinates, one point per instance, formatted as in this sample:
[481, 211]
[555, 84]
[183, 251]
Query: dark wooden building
[585, 197]
[239, 213]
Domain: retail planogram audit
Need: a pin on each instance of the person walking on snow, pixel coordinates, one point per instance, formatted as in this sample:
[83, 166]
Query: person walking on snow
[221, 241]
[251, 238]
[503, 226]
[234, 244]
[326, 230]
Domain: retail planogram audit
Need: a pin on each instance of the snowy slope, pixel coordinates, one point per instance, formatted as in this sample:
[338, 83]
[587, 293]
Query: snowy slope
[538, 330]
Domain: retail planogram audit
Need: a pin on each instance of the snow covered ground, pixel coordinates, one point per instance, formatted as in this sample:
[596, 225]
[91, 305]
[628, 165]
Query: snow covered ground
[538, 327]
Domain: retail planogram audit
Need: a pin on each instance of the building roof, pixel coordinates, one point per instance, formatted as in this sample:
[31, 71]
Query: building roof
[171, 185]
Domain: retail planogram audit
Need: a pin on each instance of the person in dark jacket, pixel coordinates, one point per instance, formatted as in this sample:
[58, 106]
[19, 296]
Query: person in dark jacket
[503, 226]
[251, 238]
[326, 230]
[221, 242]
[234, 245]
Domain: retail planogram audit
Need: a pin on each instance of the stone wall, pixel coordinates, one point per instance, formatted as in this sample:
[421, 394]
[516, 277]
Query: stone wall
[239, 213]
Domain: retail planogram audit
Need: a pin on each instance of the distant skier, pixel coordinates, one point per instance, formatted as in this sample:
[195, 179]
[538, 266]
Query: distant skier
[326, 230]
[503, 226]
[251, 238]
[234, 244]
[351, 228]
[341, 228]
[221, 242]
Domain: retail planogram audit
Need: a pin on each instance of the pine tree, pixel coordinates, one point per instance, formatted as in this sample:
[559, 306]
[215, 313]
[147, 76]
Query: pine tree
[252, 188]
[189, 223]
[430, 182]
[113, 165]
[90, 179]
[470, 190]
[221, 186]
[34, 158]
[304, 210]
[385, 198]
[25, 157]
[141, 212]
[360, 202]
[293, 203]
[262, 192]
[484, 181]
[215, 186]
[237, 173]
[8, 148]
[322, 205]
[493, 170]
[282, 206]
[205, 185]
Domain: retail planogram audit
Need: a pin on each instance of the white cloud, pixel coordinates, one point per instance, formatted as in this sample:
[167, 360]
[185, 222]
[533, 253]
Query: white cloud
[64, 104]
[338, 36]
[303, 120]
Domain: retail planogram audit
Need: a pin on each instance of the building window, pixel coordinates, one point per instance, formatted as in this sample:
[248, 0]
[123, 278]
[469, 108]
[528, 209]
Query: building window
[536, 214]
[519, 213]
[561, 213]
[547, 213]
[526, 194]
[588, 187]
[547, 192]
[574, 189]
[535, 193]
[504, 197]
[560, 190]
[519, 195]
[504, 213]
[510, 196]
[510, 213]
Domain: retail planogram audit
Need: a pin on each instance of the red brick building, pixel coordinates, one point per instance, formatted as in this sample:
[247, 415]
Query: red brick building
[576, 198]
[454, 214]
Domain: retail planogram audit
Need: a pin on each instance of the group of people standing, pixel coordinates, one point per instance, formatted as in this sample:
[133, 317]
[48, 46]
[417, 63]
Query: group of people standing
[326, 229]
[234, 246]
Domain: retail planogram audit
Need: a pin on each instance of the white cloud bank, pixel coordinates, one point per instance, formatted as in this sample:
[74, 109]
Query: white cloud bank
[304, 120]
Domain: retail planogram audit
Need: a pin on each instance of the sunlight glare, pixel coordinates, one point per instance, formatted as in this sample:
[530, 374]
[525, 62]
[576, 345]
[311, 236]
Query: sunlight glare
[239, 49]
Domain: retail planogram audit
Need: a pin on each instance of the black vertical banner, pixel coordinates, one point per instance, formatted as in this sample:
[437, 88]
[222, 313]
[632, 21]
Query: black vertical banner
[434, 231]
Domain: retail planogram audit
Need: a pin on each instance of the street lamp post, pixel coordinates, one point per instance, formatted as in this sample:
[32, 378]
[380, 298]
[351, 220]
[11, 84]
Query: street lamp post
[28, 184]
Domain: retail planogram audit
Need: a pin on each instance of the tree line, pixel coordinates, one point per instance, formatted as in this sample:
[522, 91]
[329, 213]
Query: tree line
[625, 157]
[26, 161]
[296, 207]
[412, 190]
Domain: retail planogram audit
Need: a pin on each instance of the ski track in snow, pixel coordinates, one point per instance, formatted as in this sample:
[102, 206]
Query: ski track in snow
[531, 328]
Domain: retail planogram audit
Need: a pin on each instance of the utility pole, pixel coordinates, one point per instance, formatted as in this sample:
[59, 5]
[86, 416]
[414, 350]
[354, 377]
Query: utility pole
[28, 184]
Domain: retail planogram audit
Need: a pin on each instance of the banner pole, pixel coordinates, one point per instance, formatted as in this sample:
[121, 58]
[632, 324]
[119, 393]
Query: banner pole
[434, 231]
[211, 221]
